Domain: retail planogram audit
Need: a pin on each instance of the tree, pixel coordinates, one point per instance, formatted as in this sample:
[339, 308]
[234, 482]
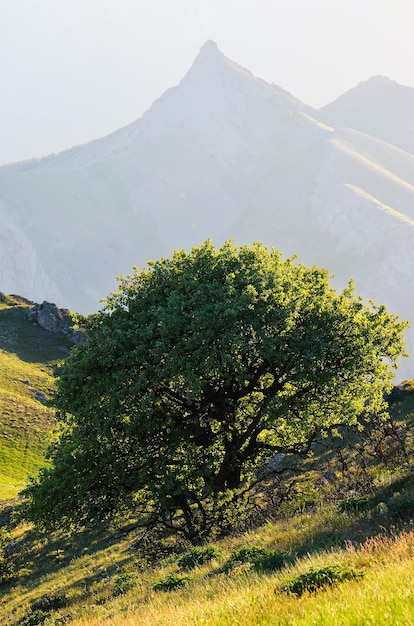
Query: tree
[196, 372]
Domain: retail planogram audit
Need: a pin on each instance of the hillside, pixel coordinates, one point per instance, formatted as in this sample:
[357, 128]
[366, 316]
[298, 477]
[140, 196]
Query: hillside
[29, 355]
[341, 528]
[345, 553]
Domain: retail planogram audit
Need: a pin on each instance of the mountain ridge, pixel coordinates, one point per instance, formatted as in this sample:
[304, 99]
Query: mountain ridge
[222, 154]
[378, 106]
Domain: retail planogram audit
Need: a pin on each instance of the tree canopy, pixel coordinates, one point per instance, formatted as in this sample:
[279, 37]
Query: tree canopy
[196, 372]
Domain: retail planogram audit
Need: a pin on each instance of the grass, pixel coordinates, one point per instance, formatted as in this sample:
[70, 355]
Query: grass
[25, 422]
[28, 358]
[107, 578]
[380, 597]
[101, 581]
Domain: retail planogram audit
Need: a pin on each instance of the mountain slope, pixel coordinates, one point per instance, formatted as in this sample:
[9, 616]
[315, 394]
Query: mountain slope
[379, 107]
[223, 154]
[171, 179]
[28, 357]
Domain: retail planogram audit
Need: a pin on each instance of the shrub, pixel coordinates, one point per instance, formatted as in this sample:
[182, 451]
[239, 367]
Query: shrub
[49, 602]
[260, 558]
[273, 560]
[173, 581]
[35, 618]
[316, 579]
[197, 556]
[124, 583]
[355, 504]
[41, 609]
[245, 555]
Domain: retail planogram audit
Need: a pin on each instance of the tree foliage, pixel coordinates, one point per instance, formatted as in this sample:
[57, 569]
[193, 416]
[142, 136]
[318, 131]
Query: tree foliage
[196, 372]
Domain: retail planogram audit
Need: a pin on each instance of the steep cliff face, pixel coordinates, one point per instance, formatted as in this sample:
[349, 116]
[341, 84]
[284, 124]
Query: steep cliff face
[223, 154]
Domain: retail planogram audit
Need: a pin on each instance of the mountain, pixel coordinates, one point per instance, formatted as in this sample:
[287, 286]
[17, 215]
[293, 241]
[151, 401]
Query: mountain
[223, 154]
[379, 107]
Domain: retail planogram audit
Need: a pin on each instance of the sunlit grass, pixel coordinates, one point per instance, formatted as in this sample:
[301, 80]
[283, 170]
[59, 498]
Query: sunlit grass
[25, 422]
[87, 570]
[384, 596]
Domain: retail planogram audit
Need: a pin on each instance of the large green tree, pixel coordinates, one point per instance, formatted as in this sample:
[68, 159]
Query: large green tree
[197, 371]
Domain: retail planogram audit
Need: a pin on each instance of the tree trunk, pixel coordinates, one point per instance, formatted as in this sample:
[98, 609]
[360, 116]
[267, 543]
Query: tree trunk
[229, 474]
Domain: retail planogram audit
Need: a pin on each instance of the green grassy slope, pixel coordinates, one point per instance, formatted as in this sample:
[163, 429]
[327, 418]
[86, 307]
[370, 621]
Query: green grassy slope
[28, 357]
[107, 577]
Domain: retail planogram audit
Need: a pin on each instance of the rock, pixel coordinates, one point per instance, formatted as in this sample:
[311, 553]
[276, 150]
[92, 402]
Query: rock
[49, 317]
[330, 476]
[40, 396]
[12, 548]
[273, 465]
[77, 337]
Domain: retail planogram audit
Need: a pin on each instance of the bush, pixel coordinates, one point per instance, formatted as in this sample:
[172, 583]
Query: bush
[245, 555]
[260, 558]
[41, 609]
[316, 579]
[35, 618]
[49, 602]
[124, 583]
[197, 556]
[355, 504]
[171, 582]
[273, 560]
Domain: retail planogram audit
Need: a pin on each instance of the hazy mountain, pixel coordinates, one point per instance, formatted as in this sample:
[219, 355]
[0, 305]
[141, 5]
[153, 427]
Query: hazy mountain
[223, 154]
[379, 107]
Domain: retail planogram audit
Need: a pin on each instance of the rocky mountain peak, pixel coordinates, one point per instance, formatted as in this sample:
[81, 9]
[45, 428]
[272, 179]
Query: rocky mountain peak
[211, 62]
[377, 81]
[222, 154]
[209, 52]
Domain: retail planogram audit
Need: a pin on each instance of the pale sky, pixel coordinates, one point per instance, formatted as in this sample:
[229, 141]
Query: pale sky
[76, 70]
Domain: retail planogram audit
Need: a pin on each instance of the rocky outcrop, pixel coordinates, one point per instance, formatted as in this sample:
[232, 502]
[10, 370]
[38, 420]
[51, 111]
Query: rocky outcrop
[48, 316]
[52, 319]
